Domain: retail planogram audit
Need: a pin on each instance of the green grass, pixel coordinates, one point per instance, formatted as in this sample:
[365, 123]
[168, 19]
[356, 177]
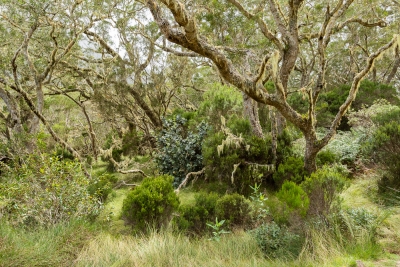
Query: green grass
[56, 246]
[109, 243]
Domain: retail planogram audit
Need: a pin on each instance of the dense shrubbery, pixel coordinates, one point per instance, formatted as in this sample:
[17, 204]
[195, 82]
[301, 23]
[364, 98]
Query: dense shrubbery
[150, 204]
[292, 169]
[235, 209]
[44, 190]
[276, 241]
[192, 219]
[180, 149]
[240, 151]
[322, 188]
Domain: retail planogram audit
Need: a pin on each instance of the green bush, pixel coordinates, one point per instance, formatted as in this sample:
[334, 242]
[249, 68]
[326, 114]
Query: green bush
[276, 241]
[42, 190]
[193, 219]
[101, 186]
[322, 188]
[292, 169]
[295, 197]
[180, 149]
[150, 204]
[251, 153]
[385, 149]
[326, 157]
[235, 209]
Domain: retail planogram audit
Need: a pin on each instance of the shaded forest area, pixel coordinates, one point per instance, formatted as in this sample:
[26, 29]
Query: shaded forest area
[199, 133]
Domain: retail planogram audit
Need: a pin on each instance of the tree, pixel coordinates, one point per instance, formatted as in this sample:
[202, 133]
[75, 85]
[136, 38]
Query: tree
[296, 55]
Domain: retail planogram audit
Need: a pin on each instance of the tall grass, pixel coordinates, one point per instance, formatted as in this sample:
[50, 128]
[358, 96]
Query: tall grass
[57, 245]
[168, 249]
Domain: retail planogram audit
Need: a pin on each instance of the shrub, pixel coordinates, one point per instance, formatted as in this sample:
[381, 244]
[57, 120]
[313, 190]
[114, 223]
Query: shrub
[235, 209]
[322, 187]
[251, 153]
[326, 157]
[180, 149]
[192, 219]
[295, 197]
[44, 190]
[292, 169]
[150, 204]
[101, 186]
[276, 241]
[385, 149]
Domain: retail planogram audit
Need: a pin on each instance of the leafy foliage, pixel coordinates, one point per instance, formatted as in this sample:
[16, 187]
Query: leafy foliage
[294, 196]
[180, 149]
[386, 151]
[192, 219]
[235, 209]
[44, 190]
[101, 185]
[276, 241]
[292, 169]
[150, 204]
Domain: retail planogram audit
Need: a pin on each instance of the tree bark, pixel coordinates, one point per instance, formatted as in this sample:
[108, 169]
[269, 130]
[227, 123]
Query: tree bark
[251, 112]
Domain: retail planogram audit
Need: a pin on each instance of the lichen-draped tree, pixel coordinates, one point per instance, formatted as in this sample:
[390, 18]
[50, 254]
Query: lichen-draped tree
[295, 43]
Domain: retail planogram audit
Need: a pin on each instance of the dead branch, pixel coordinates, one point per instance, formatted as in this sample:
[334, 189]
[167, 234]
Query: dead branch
[184, 182]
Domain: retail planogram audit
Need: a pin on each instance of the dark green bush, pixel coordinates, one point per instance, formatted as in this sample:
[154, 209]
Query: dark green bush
[101, 186]
[292, 169]
[235, 209]
[322, 188]
[385, 150]
[193, 219]
[326, 157]
[276, 241]
[180, 149]
[219, 167]
[150, 204]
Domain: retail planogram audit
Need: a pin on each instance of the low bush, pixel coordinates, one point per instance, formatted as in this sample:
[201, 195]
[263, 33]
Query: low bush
[42, 190]
[193, 219]
[150, 204]
[276, 241]
[295, 198]
[322, 188]
[235, 209]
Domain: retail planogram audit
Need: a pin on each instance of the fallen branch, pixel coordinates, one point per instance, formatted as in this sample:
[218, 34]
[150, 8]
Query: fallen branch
[133, 171]
[184, 182]
[125, 184]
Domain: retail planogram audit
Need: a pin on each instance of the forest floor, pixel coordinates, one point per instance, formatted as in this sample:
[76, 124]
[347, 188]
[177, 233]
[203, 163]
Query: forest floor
[109, 243]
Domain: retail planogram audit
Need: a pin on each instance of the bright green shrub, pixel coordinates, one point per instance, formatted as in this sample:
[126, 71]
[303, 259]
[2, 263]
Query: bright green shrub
[102, 185]
[150, 204]
[180, 149]
[292, 169]
[192, 219]
[295, 197]
[322, 188]
[235, 209]
[276, 241]
[41, 190]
